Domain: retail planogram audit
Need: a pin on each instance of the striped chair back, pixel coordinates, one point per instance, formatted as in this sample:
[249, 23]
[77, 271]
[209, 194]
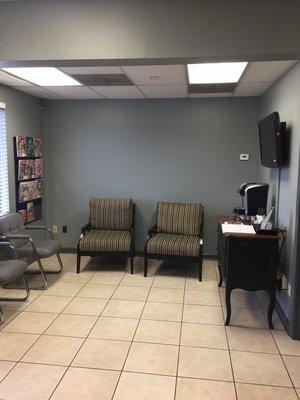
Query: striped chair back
[180, 218]
[111, 214]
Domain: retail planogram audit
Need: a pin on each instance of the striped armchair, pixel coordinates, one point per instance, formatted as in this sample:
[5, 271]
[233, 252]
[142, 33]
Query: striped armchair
[110, 229]
[178, 232]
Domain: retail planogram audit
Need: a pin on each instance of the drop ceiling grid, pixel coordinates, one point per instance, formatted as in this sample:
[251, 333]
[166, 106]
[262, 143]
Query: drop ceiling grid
[255, 80]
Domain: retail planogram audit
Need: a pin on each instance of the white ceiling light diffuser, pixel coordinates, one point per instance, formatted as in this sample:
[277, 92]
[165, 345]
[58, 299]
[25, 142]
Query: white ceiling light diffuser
[43, 76]
[228, 72]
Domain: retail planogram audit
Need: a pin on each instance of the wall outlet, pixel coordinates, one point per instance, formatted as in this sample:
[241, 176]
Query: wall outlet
[244, 157]
[64, 229]
[289, 290]
[54, 228]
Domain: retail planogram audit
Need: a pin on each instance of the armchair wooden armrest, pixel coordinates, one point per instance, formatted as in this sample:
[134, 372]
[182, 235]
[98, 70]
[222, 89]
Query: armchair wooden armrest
[86, 227]
[152, 231]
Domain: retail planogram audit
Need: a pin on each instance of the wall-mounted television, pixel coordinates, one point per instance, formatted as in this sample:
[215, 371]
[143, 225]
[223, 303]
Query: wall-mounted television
[271, 133]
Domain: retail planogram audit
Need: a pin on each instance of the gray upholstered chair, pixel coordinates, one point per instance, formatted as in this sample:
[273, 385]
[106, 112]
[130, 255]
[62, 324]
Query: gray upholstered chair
[12, 229]
[110, 230]
[11, 269]
[178, 233]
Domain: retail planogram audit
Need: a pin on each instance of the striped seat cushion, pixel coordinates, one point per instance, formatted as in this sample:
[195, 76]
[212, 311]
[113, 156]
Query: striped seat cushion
[174, 245]
[179, 218]
[106, 240]
[111, 214]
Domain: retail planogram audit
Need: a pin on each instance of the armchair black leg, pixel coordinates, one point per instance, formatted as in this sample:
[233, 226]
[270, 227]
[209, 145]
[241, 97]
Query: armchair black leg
[78, 262]
[131, 263]
[145, 265]
[200, 265]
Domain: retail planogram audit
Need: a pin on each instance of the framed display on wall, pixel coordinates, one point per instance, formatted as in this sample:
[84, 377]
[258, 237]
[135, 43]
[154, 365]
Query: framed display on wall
[29, 177]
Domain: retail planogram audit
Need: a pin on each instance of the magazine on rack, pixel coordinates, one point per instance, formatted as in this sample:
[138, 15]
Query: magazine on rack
[39, 168]
[38, 147]
[30, 149]
[26, 169]
[39, 188]
[21, 146]
[28, 191]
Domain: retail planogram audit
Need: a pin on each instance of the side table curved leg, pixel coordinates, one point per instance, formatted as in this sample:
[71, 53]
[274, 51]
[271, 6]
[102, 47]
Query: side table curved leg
[220, 275]
[271, 307]
[228, 305]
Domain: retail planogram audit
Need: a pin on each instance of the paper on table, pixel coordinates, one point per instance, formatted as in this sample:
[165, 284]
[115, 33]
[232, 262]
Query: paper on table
[238, 228]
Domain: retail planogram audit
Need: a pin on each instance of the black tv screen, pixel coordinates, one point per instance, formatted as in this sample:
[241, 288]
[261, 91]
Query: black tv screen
[270, 138]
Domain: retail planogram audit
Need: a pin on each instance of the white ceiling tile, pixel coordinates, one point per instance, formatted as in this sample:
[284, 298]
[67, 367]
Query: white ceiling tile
[76, 92]
[164, 91]
[266, 71]
[92, 70]
[119, 92]
[210, 94]
[9, 80]
[251, 89]
[38, 91]
[156, 74]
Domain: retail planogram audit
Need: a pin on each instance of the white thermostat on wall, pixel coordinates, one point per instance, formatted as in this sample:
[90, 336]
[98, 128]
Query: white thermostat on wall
[245, 157]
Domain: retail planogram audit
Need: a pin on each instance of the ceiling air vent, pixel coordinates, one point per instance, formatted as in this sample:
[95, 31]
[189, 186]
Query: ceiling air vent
[103, 79]
[212, 88]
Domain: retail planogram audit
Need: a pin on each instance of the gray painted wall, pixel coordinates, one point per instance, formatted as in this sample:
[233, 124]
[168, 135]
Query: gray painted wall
[23, 117]
[284, 97]
[144, 29]
[150, 150]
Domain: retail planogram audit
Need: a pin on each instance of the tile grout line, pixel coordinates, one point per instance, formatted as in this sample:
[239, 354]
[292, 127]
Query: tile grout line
[132, 340]
[179, 347]
[86, 337]
[229, 353]
[281, 356]
[39, 335]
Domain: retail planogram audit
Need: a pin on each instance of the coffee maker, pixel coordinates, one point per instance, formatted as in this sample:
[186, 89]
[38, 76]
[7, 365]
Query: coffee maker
[254, 198]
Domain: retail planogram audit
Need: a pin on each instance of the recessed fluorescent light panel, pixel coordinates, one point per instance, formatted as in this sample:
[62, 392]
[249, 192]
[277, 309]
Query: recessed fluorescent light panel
[228, 72]
[43, 76]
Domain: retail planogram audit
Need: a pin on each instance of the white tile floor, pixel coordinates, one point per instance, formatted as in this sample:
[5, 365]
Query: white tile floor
[106, 334]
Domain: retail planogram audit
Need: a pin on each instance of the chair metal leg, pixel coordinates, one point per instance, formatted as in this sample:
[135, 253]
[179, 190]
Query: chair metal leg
[26, 287]
[1, 315]
[59, 263]
[41, 271]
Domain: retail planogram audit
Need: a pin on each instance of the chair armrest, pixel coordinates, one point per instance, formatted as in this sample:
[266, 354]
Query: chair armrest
[152, 231]
[8, 244]
[20, 237]
[86, 227]
[40, 227]
[36, 227]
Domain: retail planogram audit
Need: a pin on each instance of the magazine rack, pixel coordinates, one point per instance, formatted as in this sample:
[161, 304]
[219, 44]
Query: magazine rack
[28, 177]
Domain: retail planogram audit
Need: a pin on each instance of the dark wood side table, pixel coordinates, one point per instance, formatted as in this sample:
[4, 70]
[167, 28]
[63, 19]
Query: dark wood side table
[247, 262]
